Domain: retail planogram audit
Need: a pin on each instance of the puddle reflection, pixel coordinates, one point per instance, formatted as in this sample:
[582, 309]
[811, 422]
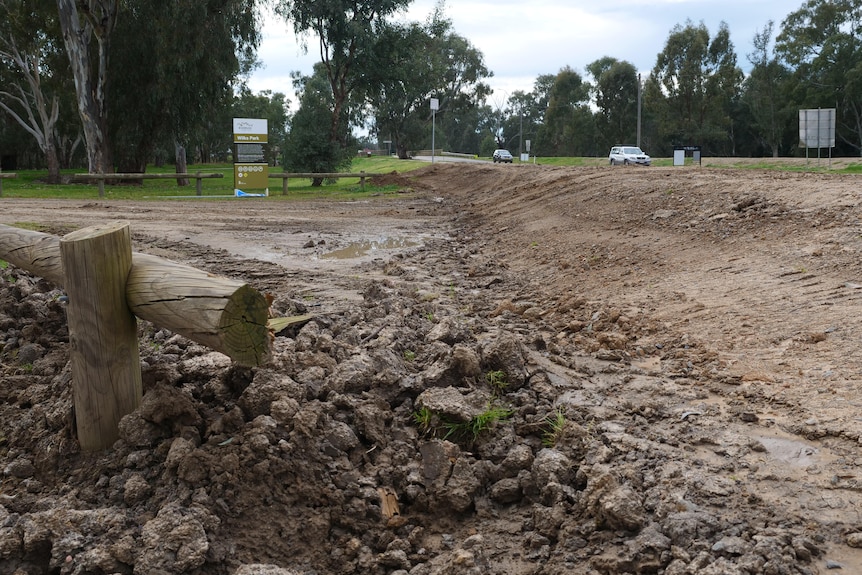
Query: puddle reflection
[359, 249]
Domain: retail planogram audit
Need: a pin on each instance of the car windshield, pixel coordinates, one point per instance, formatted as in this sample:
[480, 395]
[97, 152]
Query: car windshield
[632, 151]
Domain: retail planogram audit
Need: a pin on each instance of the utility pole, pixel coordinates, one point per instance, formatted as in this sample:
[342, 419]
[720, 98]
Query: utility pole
[638, 144]
[435, 105]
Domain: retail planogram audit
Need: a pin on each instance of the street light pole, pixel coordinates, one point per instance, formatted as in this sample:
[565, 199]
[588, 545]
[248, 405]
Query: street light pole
[639, 112]
[521, 134]
[435, 104]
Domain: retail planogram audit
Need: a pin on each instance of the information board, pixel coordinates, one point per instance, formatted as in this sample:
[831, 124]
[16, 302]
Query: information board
[250, 168]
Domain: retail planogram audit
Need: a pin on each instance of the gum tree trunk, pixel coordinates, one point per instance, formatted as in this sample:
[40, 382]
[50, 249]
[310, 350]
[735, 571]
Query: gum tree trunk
[80, 21]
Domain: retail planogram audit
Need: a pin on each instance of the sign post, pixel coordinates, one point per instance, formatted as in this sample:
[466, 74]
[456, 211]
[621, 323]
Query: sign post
[435, 105]
[817, 130]
[250, 168]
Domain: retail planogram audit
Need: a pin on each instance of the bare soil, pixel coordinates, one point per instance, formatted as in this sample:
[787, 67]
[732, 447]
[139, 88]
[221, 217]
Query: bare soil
[510, 370]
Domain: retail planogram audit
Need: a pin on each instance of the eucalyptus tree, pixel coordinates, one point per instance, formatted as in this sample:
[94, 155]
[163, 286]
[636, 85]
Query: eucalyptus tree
[304, 149]
[82, 21]
[32, 92]
[522, 117]
[412, 63]
[765, 97]
[616, 97]
[568, 128]
[693, 89]
[346, 30]
[195, 52]
[822, 42]
[461, 88]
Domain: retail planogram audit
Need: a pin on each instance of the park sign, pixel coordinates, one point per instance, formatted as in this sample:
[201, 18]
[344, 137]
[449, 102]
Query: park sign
[250, 168]
[250, 130]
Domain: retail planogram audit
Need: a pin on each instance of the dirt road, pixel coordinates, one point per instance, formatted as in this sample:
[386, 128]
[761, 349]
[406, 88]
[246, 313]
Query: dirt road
[674, 353]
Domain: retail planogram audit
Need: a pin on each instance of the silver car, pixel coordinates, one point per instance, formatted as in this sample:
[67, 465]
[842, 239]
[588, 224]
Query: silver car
[628, 155]
[502, 156]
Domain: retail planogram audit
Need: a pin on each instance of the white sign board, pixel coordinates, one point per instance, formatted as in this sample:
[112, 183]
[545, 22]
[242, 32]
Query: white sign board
[817, 128]
[250, 130]
[435, 104]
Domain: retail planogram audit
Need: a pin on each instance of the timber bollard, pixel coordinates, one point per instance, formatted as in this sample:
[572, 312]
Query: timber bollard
[108, 285]
[103, 335]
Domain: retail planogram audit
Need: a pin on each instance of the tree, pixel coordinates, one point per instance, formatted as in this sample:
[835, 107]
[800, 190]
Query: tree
[346, 30]
[80, 22]
[693, 89]
[568, 129]
[28, 37]
[822, 42]
[196, 51]
[307, 149]
[412, 63]
[616, 97]
[764, 96]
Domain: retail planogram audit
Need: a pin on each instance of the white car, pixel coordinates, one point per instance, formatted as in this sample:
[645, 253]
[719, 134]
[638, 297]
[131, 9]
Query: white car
[502, 156]
[628, 155]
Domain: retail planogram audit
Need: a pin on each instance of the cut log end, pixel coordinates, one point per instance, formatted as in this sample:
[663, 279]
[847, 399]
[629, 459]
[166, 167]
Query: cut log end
[243, 325]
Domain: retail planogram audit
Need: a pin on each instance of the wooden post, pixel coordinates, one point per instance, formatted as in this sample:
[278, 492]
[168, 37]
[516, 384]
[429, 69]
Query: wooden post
[284, 186]
[199, 186]
[362, 180]
[102, 187]
[106, 366]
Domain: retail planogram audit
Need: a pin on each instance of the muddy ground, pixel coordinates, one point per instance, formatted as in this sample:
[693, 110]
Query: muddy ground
[510, 370]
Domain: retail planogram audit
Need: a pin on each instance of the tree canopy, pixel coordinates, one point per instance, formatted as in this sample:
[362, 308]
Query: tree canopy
[140, 82]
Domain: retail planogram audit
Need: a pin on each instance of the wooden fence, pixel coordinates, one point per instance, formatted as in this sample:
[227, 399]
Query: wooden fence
[107, 286]
[4, 175]
[198, 176]
[285, 176]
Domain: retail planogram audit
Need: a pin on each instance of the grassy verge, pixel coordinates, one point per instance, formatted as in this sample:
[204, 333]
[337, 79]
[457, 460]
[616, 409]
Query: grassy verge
[31, 184]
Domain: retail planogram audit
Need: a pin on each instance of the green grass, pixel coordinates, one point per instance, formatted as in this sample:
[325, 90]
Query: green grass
[555, 426]
[30, 184]
[483, 422]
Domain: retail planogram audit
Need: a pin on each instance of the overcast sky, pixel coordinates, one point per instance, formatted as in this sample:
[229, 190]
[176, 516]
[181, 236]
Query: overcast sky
[522, 39]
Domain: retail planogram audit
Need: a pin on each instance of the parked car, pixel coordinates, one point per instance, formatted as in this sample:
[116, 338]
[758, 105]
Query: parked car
[628, 155]
[502, 156]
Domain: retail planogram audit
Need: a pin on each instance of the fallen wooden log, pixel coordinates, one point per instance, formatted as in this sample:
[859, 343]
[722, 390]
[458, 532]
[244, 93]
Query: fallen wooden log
[224, 314]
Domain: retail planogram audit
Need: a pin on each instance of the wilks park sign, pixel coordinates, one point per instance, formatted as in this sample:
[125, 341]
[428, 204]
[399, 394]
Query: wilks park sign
[250, 169]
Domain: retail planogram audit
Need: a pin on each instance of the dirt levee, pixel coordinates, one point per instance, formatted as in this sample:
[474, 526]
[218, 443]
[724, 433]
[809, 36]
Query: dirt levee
[509, 370]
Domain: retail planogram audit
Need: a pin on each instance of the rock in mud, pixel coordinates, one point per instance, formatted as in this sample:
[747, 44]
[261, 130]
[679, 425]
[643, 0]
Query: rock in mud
[175, 541]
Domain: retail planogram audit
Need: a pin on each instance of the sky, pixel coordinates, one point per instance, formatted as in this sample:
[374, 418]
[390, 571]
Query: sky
[523, 39]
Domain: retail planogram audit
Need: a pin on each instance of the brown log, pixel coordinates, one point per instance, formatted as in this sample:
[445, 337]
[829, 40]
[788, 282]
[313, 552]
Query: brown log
[224, 314]
[35, 252]
[103, 334]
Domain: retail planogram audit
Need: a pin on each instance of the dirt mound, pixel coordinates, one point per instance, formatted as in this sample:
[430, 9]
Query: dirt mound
[566, 370]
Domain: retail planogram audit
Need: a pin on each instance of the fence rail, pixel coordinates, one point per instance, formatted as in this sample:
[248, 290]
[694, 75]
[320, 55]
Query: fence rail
[4, 175]
[285, 176]
[138, 176]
